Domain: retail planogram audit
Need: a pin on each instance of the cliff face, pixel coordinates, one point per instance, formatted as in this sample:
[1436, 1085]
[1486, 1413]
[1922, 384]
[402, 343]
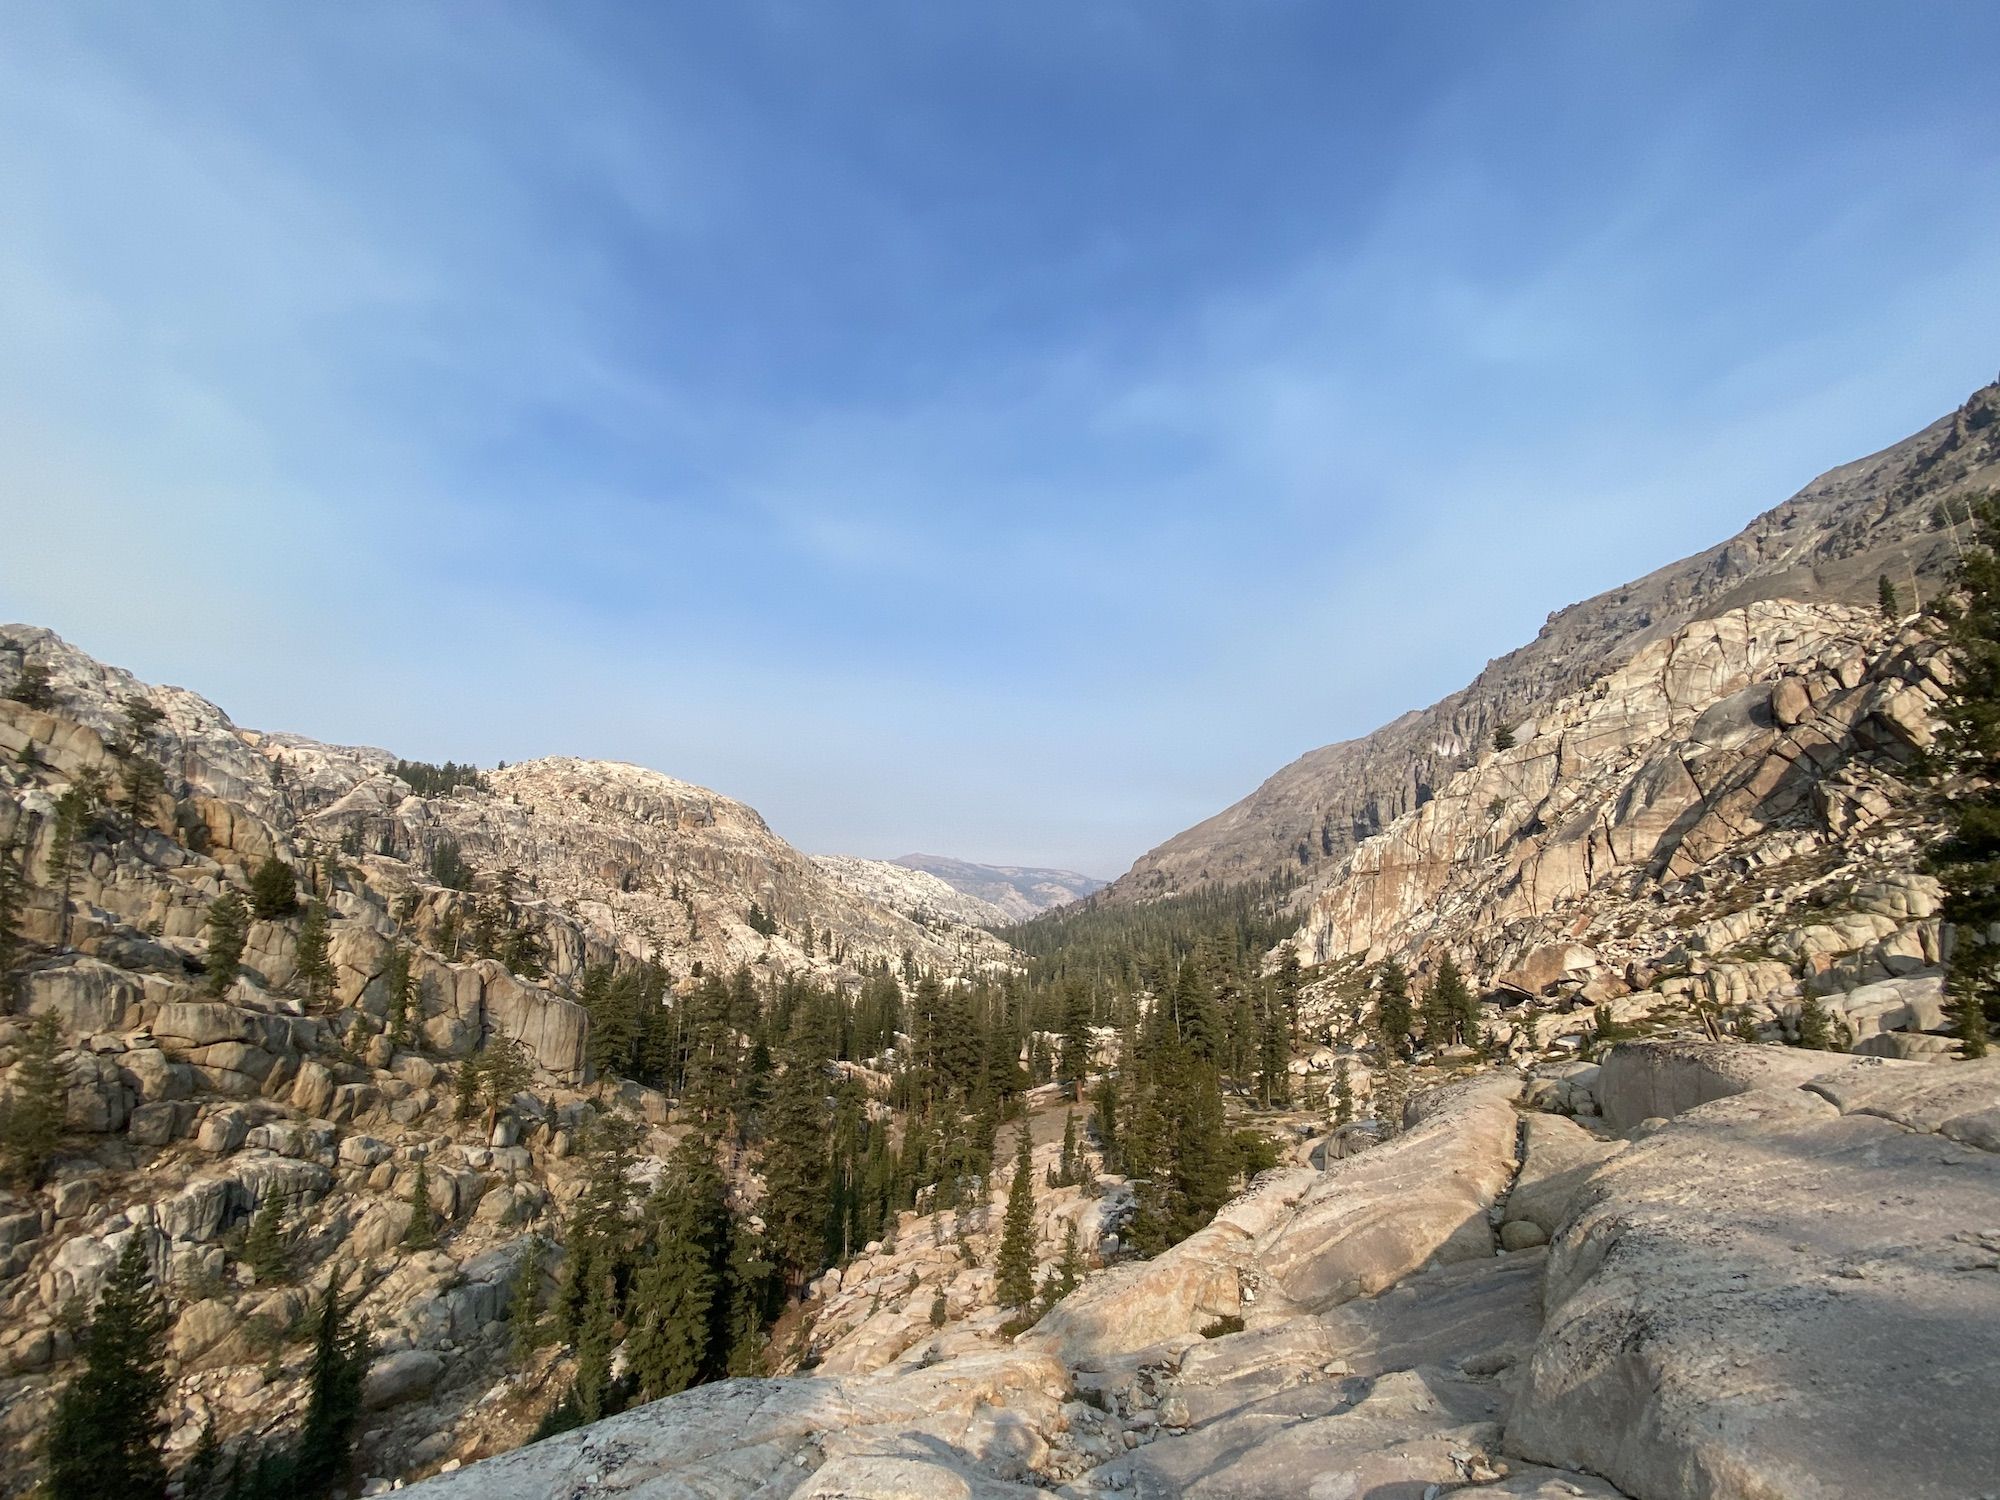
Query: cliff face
[1830, 542]
[1773, 738]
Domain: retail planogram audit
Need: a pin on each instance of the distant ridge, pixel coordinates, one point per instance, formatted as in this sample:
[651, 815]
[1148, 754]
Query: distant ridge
[1019, 891]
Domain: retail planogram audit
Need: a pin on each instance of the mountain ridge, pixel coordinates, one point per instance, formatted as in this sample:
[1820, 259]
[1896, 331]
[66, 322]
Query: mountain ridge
[1829, 541]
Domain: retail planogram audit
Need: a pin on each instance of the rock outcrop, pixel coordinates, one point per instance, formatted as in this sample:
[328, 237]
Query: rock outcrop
[1021, 893]
[1828, 543]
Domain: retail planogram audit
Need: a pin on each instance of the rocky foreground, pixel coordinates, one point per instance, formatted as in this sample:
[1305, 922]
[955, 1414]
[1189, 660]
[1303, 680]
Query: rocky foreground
[1767, 1273]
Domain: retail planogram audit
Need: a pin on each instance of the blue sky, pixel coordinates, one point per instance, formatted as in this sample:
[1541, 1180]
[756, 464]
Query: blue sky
[1003, 430]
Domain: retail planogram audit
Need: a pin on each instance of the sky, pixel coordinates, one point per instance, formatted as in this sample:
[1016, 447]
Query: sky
[1004, 430]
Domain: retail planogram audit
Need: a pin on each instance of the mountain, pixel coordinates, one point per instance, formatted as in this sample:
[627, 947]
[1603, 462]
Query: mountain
[611, 858]
[1831, 541]
[1020, 893]
[917, 894]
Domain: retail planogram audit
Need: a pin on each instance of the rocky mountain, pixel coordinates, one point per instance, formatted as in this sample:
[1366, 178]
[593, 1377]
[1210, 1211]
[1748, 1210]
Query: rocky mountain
[610, 857]
[918, 894]
[1020, 893]
[1884, 514]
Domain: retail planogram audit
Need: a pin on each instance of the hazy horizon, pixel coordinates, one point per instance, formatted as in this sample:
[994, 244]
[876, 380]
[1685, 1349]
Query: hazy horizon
[1011, 435]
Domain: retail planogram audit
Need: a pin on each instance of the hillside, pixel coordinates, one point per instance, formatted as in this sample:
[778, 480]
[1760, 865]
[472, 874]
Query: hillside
[1020, 893]
[1830, 541]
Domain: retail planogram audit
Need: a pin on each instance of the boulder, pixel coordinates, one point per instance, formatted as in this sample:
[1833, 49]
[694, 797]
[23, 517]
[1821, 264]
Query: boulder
[1731, 1312]
[84, 995]
[1654, 1080]
[396, 1378]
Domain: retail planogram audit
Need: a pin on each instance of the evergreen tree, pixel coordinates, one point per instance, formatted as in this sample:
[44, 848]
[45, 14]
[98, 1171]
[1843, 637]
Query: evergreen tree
[796, 1198]
[1815, 1026]
[13, 900]
[1394, 1017]
[505, 1069]
[228, 931]
[31, 1116]
[33, 687]
[1070, 1170]
[313, 964]
[399, 988]
[595, 1393]
[1067, 1272]
[422, 1231]
[524, 1304]
[106, 1434]
[1886, 600]
[1451, 1014]
[599, 1223]
[1503, 737]
[1967, 859]
[677, 1337]
[274, 890]
[76, 813]
[267, 1248]
[340, 1359]
[1274, 1058]
[1343, 1093]
[1073, 1061]
[1015, 1279]
[199, 1474]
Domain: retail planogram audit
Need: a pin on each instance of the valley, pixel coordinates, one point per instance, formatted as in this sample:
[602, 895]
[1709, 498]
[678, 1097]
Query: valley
[1575, 1088]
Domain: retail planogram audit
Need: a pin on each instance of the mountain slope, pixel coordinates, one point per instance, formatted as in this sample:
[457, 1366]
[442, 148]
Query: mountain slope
[917, 894]
[1019, 892]
[1830, 541]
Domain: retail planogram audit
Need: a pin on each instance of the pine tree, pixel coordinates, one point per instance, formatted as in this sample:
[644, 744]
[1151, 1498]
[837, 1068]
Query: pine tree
[1503, 737]
[274, 890]
[1393, 1015]
[199, 1474]
[1274, 1080]
[1015, 1279]
[31, 1117]
[524, 1304]
[1451, 1014]
[1815, 1026]
[1343, 1093]
[76, 813]
[33, 687]
[313, 964]
[465, 1087]
[595, 1393]
[1886, 600]
[1967, 859]
[1073, 1061]
[1070, 1171]
[13, 900]
[506, 1069]
[422, 1231]
[796, 1199]
[106, 1434]
[228, 931]
[340, 1359]
[1067, 1272]
[267, 1248]
[675, 1332]
[400, 993]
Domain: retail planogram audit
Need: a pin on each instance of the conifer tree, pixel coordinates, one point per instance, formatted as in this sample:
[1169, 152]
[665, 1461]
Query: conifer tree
[1451, 1014]
[465, 1087]
[1067, 1272]
[505, 1069]
[1815, 1026]
[1886, 600]
[1967, 859]
[1073, 1060]
[1503, 737]
[199, 1474]
[1015, 1271]
[524, 1304]
[274, 890]
[33, 687]
[797, 1202]
[1393, 1015]
[674, 1337]
[76, 812]
[106, 1434]
[13, 900]
[422, 1231]
[267, 1248]
[31, 1117]
[399, 989]
[594, 1393]
[1070, 1169]
[313, 964]
[228, 931]
[1274, 1081]
[1343, 1093]
[340, 1359]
